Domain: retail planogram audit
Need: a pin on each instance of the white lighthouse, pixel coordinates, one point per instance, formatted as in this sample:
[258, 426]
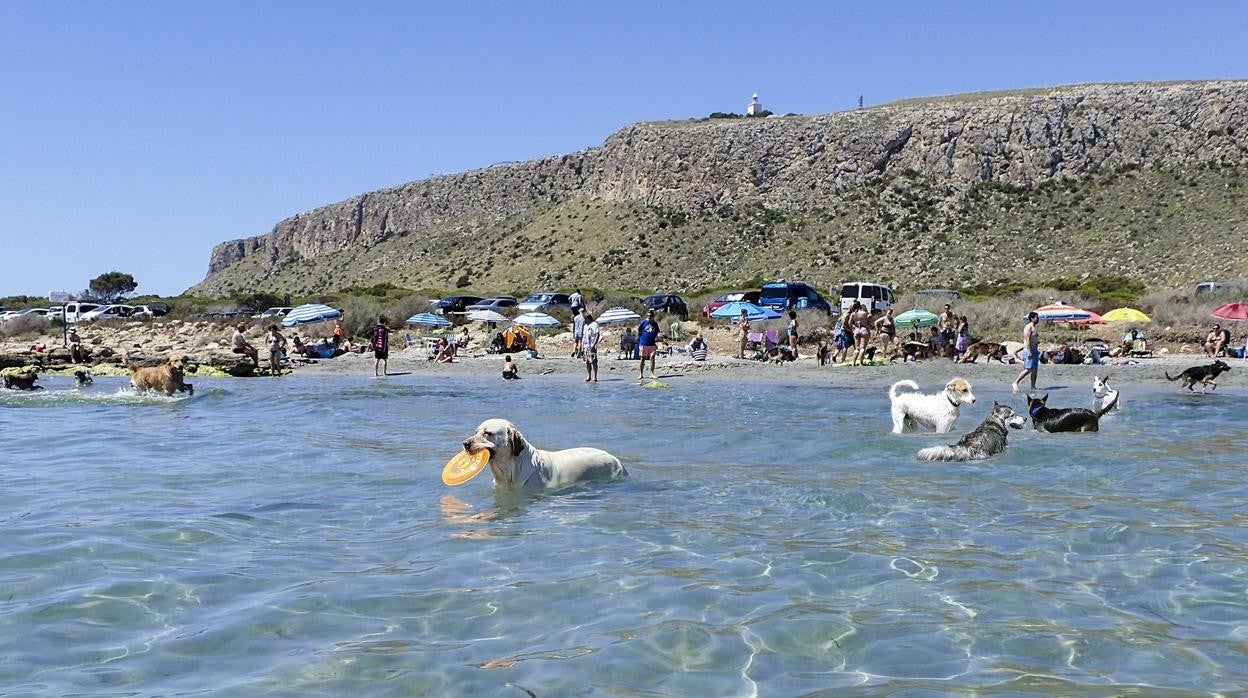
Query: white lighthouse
[755, 107]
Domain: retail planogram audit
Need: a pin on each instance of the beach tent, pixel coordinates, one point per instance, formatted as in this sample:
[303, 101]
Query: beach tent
[310, 313]
[428, 320]
[754, 313]
[518, 338]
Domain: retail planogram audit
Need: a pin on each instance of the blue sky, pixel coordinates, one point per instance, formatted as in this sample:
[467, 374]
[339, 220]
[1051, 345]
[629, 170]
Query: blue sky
[136, 135]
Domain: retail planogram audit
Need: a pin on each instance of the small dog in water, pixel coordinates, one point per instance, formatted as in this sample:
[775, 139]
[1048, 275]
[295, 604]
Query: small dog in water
[1200, 374]
[938, 412]
[83, 378]
[22, 381]
[1104, 398]
[1053, 420]
[987, 440]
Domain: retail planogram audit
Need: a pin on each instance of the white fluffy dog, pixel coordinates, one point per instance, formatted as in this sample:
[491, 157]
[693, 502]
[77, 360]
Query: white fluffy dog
[938, 412]
[516, 463]
[1104, 398]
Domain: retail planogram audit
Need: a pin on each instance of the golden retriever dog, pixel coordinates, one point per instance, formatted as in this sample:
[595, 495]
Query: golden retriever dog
[514, 462]
[22, 381]
[168, 377]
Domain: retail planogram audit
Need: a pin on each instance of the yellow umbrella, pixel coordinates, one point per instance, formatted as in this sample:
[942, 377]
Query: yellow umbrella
[1125, 315]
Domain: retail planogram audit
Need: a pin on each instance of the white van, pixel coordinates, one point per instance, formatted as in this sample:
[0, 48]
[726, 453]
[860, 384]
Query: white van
[876, 297]
[74, 311]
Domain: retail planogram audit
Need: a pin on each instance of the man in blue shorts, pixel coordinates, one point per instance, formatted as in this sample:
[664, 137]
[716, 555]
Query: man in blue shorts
[648, 343]
[1031, 351]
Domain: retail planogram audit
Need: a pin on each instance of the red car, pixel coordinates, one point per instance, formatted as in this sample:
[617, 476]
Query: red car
[726, 298]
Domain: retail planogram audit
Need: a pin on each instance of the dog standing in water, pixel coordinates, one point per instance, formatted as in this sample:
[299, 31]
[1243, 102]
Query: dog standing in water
[515, 462]
[1104, 396]
[913, 410]
[987, 440]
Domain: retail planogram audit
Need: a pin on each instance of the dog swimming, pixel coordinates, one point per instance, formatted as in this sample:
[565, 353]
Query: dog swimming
[987, 440]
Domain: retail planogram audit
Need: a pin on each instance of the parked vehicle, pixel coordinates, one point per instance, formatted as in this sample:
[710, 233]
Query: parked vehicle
[667, 303]
[273, 313]
[545, 302]
[782, 294]
[498, 304]
[15, 314]
[74, 310]
[730, 297]
[150, 310]
[876, 297]
[107, 312]
[454, 304]
[1211, 287]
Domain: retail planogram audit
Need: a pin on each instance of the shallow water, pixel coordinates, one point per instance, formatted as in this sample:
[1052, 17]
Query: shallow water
[292, 537]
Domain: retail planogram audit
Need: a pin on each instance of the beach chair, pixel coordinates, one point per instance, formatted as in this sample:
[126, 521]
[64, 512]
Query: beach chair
[771, 340]
[1139, 348]
[411, 341]
[754, 340]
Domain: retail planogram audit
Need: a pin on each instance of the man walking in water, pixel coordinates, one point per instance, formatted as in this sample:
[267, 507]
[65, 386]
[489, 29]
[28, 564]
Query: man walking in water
[648, 341]
[589, 348]
[1031, 351]
[381, 346]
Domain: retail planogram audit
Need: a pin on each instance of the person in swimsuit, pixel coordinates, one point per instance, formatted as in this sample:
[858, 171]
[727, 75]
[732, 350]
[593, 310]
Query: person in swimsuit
[242, 346]
[792, 332]
[964, 339]
[381, 346]
[1031, 351]
[887, 329]
[510, 372]
[743, 328]
[948, 330]
[276, 344]
[860, 325]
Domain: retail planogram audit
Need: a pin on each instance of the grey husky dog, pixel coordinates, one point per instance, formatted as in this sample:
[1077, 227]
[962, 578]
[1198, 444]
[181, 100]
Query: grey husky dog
[986, 441]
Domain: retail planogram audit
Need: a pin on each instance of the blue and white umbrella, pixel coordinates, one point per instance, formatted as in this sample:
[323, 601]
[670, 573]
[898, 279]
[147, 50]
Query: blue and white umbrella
[1062, 312]
[310, 313]
[428, 320]
[732, 311]
[536, 320]
[617, 315]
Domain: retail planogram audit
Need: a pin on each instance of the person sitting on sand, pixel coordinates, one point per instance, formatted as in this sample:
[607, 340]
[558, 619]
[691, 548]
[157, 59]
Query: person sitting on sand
[510, 371]
[464, 339]
[446, 352]
[1215, 341]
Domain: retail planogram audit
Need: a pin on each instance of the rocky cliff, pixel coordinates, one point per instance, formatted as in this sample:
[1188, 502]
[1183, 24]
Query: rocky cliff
[1032, 184]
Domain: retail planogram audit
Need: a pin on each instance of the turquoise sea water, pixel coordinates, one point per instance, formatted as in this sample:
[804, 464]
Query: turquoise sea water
[292, 537]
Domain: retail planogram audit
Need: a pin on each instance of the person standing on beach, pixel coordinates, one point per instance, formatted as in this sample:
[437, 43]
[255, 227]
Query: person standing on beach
[948, 331]
[276, 344]
[577, 301]
[791, 331]
[589, 349]
[743, 328]
[860, 324]
[648, 342]
[578, 331]
[1031, 351]
[242, 346]
[886, 327]
[381, 346]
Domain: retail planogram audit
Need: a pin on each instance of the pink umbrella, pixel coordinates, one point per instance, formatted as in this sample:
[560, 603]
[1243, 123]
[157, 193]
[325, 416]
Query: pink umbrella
[1231, 311]
[1091, 319]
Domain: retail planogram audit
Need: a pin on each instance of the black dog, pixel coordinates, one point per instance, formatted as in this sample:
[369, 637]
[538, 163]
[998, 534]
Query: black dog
[22, 381]
[824, 353]
[1200, 374]
[83, 378]
[1054, 420]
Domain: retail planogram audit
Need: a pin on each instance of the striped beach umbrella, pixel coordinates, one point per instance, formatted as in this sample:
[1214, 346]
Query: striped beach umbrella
[753, 313]
[487, 316]
[1062, 312]
[310, 313]
[617, 315]
[428, 320]
[536, 320]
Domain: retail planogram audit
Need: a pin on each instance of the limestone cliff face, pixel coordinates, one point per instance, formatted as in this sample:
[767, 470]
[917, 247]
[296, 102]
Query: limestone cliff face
[794, 164]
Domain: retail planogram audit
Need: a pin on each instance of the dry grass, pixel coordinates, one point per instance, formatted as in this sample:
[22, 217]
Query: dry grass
[26, 325]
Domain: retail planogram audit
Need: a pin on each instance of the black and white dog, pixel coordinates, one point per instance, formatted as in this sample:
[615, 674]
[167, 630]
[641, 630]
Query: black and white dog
[987, 440]
[83, 378]
[1104, 396]
[1054, 419]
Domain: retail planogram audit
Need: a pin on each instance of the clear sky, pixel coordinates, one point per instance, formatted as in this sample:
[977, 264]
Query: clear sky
[136, 135]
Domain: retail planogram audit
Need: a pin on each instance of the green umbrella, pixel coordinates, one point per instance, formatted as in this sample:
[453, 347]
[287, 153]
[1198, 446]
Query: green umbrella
[915, 318]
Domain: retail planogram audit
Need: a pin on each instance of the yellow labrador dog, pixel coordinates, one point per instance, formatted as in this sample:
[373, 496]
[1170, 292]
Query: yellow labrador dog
[516, 463]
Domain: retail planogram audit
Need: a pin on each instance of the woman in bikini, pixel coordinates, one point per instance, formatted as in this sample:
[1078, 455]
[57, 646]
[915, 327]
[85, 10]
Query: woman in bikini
[887, 329]
[860, 323]
[792, 332]
[743, 327]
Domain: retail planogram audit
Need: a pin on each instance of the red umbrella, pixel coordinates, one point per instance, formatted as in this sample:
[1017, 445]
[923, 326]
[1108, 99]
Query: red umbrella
[1231, 311]
[1091, 319]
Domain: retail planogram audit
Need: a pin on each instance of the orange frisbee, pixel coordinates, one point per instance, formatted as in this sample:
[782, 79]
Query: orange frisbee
[465, 466]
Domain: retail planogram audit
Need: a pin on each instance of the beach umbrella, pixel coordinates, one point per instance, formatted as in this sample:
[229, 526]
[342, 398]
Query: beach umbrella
[487, 316]
[1091, 319]
[428, 320]
[536, 320]
[1125, 315]
[310, 313]
[1231, 311]
[1061, 311]
[617, 315]
[754, 313]
[916, 317]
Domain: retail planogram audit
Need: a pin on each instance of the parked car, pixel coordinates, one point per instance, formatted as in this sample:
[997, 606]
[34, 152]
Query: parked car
[730, 297]
[150, 310]
[876, 297]
[667, 303]
[498, 304]
[454, 304]
[74, 310]
[273, 313]
[15, 314]
[1211, 287]
[781, 294]
[545, 302]
[107, 312]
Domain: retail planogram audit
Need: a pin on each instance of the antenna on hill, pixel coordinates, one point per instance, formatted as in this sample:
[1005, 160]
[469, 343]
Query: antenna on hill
[860, 101]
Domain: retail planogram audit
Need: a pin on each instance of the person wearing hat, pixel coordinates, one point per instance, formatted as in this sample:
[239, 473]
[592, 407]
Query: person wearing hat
[648, 343]
[75, 346]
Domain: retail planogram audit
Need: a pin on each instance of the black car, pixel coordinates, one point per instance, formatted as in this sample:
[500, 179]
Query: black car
[454, 304]
[667, 303]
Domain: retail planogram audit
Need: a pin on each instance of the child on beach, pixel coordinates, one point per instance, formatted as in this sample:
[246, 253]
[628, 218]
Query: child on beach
[510, 372]
[381, 346]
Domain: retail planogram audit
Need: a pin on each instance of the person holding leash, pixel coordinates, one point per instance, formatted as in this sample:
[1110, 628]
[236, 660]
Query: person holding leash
[1031, 351]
